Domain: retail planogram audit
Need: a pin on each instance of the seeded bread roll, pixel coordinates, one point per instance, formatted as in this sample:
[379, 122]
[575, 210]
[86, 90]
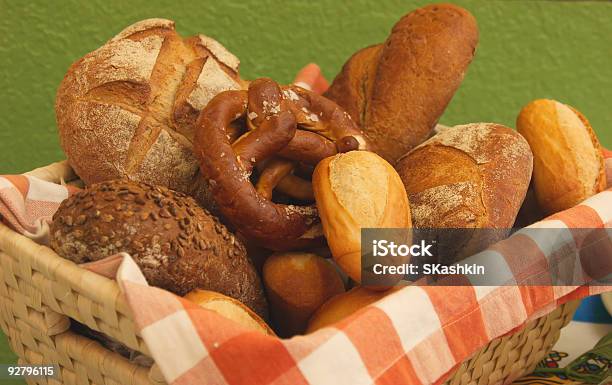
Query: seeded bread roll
[398, 90]
[177, 245]
[468, 177]
[128, 109]
[568, 159]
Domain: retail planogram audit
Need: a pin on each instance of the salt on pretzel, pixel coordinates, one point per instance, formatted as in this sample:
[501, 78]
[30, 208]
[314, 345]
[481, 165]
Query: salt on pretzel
[288, 129]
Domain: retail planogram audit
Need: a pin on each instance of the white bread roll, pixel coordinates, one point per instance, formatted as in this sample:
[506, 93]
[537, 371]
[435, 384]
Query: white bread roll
[356, 190]
[568, 160]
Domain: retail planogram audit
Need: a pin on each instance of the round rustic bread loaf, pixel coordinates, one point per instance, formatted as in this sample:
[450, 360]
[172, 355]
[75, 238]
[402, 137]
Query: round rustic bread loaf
[177, 245]
[127, 109]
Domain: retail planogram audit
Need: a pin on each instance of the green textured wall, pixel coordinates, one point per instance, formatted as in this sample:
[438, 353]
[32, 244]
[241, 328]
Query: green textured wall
[528, 49]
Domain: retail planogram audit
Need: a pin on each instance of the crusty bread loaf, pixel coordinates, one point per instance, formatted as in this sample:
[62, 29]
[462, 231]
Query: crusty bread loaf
[356, 190]
[127, 109]
[177, 245]
[398, 90]
[229, 308]
[345, 304]
[470, 176]
[297, 284]
[568, 159]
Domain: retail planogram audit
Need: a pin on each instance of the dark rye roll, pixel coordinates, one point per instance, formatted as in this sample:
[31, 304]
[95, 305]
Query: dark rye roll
[177, 245]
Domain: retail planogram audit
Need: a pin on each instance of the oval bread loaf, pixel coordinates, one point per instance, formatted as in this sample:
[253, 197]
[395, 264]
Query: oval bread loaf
[177, 245]
[568, 159]
[469, 176]
[230, 308]
[356, 190]
[297, 284]
[128, 109]
[398, 90]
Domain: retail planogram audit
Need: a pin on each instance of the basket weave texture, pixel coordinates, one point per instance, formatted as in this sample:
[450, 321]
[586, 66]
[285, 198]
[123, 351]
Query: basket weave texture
[40, 292]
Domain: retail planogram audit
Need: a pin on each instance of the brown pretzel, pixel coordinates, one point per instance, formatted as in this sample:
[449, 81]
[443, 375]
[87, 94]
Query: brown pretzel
[296, 187]
[289, 129]
[272, 174]
[279, 174]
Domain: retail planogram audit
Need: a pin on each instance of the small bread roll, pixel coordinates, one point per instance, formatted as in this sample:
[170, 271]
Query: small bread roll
[568, 159]
[345, 304]
[229, 308]
[355, 190]
[297, 285]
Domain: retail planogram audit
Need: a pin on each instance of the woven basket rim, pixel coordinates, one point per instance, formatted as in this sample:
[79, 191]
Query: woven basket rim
[65, 270]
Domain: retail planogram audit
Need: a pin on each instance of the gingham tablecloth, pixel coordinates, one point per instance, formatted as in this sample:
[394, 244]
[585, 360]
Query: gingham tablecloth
[416, 335]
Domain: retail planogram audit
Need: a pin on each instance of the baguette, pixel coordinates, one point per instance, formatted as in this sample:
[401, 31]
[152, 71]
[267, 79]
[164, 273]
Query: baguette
[398, 90]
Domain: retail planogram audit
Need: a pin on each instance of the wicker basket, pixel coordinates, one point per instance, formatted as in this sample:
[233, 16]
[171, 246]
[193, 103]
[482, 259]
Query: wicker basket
[40, 291]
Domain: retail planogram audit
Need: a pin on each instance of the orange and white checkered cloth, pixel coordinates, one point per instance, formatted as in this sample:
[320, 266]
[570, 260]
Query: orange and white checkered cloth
[27, 204]
[416, 335]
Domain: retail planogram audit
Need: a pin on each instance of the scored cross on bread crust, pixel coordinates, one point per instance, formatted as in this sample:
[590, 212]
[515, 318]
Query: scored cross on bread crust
[127, 109]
